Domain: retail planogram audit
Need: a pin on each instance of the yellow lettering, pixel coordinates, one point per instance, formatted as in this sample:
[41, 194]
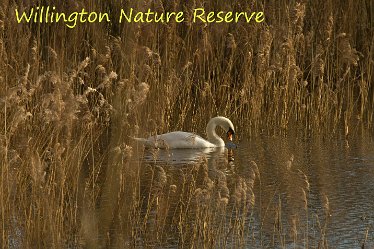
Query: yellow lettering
[24, 15]
[228, 17]
[139, 17]
[72, 19]
[260, 17]
[210, 17]
[92, 17]
[220, 17]
[237, 16]
[102, 16]
[200, 16]
[123, 14]
[179, 17]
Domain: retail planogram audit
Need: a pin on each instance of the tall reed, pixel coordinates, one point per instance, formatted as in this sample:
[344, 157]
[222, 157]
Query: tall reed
[71, 98]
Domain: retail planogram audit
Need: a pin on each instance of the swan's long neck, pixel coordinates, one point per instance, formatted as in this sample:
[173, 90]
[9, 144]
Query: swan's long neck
[212, 135]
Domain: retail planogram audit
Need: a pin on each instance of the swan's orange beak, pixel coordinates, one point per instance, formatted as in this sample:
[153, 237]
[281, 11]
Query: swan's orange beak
[230, 134]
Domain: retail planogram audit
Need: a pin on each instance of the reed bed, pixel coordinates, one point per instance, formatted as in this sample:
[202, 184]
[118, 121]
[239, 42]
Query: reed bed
[70, 99]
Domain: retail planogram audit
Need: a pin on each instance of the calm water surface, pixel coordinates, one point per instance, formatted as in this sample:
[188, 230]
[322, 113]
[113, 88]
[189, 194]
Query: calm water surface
[311, 191]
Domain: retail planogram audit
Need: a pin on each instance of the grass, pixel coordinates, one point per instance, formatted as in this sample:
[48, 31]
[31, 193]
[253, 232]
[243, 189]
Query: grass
[70, 99]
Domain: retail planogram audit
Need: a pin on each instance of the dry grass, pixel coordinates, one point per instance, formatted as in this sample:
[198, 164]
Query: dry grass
[71, 97]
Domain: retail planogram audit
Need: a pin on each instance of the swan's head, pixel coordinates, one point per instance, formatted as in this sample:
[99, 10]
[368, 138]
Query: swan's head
[230, 134]
[225, 124]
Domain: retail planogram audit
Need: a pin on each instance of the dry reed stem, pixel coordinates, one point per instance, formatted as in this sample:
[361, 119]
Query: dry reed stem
[70, 99]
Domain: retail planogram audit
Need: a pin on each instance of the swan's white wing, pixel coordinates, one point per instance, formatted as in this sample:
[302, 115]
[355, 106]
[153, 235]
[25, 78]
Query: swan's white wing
[177, 140]
[181, 139]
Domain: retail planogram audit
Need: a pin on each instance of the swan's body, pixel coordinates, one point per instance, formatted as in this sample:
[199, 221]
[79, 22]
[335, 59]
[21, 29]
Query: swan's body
[184, 140]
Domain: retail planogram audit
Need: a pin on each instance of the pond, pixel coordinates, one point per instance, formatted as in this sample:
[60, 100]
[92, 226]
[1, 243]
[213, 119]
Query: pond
[269, 192]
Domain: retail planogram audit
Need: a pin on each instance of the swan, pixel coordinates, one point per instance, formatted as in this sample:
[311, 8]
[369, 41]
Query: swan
[187, 140]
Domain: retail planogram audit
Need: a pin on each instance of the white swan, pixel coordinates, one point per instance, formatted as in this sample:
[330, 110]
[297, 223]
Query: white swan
[184, 140]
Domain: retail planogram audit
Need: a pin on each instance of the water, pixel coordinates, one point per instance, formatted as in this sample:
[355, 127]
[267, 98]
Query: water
[310, 193]
[343, 172]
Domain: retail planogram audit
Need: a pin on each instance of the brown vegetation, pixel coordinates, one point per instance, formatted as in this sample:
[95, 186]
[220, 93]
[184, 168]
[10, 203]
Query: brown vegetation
[70, 99]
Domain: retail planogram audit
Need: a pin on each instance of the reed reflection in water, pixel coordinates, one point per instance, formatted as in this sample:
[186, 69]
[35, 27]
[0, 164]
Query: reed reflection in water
[269, 192]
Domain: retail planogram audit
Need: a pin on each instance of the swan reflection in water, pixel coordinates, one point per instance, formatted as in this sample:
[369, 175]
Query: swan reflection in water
[187, 156]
